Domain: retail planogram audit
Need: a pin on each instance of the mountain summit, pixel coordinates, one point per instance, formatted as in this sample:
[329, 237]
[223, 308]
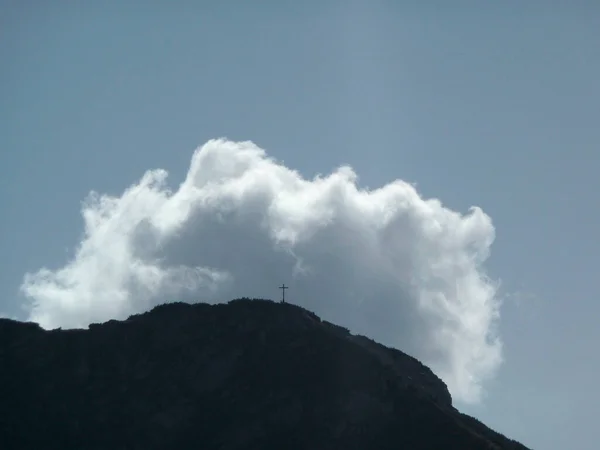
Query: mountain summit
[250, 374]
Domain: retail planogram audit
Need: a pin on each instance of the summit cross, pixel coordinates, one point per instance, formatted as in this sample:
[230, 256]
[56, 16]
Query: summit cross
[283, 287]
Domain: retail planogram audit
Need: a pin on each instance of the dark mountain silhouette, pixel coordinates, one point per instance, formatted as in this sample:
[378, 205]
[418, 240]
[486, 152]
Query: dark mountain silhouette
[251, 374]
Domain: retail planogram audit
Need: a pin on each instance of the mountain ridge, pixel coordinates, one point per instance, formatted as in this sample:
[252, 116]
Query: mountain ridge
[250, 373]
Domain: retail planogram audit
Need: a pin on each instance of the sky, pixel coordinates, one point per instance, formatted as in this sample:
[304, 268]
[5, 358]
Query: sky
[421, 173]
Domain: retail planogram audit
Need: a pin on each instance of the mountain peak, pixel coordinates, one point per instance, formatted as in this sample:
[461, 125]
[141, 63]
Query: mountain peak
[248, 374]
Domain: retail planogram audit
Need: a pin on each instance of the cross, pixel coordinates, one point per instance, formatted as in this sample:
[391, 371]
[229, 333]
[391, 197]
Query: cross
[283, 287]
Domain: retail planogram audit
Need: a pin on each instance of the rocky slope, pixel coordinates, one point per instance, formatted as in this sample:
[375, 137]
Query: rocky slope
[251, 374]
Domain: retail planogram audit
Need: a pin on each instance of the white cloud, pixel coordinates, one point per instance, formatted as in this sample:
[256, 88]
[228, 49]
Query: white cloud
[386, 263]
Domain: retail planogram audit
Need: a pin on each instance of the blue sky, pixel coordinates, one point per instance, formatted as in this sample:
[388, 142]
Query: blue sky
[495, 106]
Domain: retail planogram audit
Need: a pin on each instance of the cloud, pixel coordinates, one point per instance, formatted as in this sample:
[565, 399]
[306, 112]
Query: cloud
[387, 263]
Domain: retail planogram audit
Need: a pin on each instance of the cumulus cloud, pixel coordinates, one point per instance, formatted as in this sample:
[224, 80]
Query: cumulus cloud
[386, 263]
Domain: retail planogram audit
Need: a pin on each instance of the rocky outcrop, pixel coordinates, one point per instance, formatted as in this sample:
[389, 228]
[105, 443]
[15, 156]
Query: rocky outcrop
[251, 374]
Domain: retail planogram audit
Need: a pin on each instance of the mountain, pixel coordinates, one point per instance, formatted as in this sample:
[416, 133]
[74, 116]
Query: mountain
[250, 374]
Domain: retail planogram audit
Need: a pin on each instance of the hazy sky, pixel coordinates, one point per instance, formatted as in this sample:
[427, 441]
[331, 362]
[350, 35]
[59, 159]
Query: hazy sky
[493, 106]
